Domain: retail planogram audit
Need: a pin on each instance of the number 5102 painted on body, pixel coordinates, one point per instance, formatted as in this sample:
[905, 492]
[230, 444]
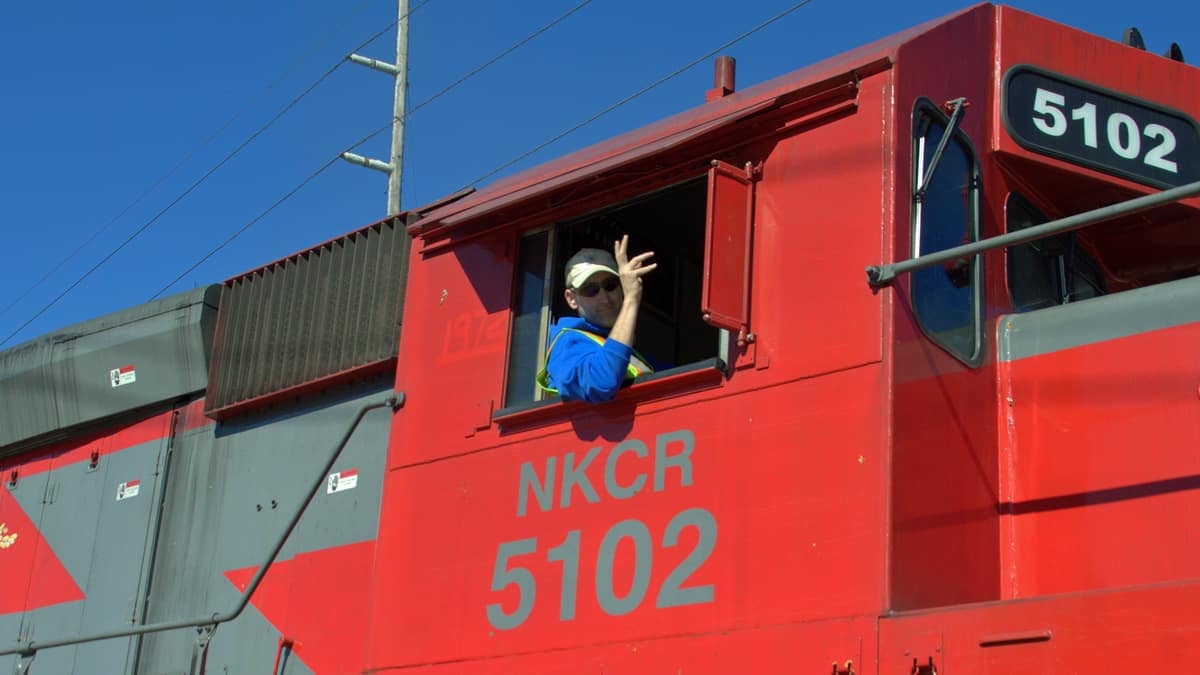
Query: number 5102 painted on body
[1123, 134]
[670, 594]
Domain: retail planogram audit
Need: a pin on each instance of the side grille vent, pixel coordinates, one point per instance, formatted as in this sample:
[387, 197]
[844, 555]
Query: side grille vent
[309, 321]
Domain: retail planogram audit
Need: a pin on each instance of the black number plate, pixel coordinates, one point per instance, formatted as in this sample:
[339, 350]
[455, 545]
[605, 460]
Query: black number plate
[1086, 125]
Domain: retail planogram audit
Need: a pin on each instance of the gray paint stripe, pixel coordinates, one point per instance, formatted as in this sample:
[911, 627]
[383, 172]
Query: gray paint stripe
[1098, 320]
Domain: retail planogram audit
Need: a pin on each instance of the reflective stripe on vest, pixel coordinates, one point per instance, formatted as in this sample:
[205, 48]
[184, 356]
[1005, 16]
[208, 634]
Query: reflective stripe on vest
[637, 365]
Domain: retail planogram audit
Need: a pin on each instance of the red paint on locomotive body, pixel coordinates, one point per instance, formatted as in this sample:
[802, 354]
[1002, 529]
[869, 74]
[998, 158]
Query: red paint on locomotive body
[1104, 464]
[28, 478]
[864, 483]
[26, 555]
[100, 444]
[318, 601]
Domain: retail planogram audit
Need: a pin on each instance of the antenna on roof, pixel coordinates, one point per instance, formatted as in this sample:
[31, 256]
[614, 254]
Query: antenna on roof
[1133, 38]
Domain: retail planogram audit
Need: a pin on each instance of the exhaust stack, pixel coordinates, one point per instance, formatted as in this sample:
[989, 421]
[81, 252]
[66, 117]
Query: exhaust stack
[723, 79]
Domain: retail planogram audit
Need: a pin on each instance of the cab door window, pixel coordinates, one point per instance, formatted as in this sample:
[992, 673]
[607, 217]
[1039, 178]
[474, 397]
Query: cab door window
[946, 298]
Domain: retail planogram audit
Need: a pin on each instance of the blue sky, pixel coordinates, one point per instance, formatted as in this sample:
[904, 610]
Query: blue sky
[103, 101]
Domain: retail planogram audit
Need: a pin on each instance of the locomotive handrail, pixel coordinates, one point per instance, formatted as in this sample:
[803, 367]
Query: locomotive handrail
[882, 275]
[207, 624]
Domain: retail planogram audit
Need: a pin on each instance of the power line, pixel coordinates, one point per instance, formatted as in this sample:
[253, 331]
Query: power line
[390, 26]
[253, 221]
[145, 226]
[501, 55]
[470, 74]
[333, 160]
[639, 92]
[371, 135]
[247, 226]
[475, 71]
[187, 157]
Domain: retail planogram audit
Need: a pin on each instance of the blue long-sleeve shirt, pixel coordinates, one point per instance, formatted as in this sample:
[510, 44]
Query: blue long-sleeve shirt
[582, 370]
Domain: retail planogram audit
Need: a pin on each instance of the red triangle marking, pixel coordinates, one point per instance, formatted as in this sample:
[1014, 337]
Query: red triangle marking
[320, 600]
[35, 577]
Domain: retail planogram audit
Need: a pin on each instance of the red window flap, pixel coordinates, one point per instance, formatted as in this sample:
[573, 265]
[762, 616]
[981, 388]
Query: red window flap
[726, 294]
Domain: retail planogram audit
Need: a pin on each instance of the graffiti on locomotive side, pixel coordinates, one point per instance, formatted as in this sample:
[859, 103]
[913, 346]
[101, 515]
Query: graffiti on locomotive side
[672, 468]
[472, 336]
[6, 539]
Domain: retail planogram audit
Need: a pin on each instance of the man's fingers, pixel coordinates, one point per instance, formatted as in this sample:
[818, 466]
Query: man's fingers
[620, 248]
[644, 270]
[637, 259]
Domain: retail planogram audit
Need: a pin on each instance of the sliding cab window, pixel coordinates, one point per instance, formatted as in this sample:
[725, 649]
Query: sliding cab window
[947, 298]
[531, 315]
[1050, 271]
[681, 323]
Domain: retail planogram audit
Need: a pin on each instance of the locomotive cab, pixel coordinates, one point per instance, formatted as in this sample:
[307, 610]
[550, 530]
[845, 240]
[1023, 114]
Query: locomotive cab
[906, 450]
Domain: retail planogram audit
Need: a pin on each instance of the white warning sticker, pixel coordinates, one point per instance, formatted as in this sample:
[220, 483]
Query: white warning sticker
[128, 489]
[347, 479]
[122, 375]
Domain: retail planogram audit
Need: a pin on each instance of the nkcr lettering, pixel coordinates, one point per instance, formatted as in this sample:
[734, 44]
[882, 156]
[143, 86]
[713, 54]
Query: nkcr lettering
[672, 459]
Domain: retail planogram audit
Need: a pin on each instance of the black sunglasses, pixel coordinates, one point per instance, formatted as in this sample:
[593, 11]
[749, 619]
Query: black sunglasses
[590, 290]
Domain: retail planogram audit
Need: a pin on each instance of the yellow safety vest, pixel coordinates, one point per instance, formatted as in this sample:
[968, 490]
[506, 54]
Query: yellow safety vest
[637, 365]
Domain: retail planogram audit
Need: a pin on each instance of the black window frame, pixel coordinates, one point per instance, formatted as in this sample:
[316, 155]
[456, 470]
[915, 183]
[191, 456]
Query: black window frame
[925, 114]
[692, 372]
[1060, 261]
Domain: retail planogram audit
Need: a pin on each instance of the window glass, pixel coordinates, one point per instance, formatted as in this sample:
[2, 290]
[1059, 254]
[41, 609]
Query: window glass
[1050, 271]
[529, 315]
[1087, 280]
[1032, 272]
[946, 297]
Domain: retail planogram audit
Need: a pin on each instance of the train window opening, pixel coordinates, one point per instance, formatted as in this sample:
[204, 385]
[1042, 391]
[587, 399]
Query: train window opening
[1052, 271]
[531, 313]
[1123, 253]
[670, 328]
[946, 298]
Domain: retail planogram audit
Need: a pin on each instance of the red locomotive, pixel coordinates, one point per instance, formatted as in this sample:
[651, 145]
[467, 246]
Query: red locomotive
[979, 457]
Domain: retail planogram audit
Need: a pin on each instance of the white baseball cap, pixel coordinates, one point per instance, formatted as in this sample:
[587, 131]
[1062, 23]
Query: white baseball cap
[587, 262]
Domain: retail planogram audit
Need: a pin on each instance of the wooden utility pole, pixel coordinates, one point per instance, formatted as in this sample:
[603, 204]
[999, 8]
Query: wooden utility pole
[398, 104]
[399, 70]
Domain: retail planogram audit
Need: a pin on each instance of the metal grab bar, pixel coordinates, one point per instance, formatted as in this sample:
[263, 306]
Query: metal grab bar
[882, 275]
[206, 625]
